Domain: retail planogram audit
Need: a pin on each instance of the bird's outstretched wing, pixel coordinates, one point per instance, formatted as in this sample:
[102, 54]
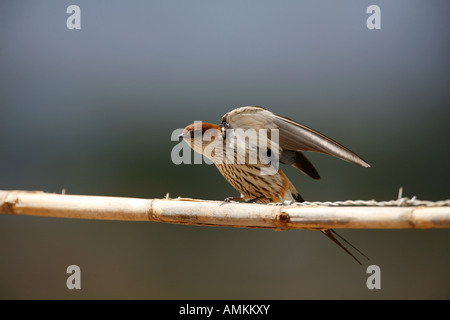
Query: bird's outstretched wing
[293, 138]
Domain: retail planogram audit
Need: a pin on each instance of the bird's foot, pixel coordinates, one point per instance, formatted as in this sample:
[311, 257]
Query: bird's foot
[229, 199]
[240, 200]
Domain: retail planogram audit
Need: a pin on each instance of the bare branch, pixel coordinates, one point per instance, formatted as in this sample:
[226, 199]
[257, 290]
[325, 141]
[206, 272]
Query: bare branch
[217, 213]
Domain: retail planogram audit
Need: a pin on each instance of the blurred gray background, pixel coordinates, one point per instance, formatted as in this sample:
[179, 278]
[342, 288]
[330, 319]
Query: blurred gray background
[91, 111]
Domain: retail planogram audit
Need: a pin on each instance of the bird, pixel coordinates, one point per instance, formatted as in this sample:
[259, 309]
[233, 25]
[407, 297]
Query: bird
[247, 147]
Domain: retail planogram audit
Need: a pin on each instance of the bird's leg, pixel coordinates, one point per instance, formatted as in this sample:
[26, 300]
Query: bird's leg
[287, 203]
[281, 199]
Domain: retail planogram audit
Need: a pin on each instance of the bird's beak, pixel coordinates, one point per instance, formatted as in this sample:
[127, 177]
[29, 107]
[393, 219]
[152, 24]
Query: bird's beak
[183, 135]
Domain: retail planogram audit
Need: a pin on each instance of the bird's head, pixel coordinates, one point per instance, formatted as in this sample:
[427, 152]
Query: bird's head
[199, 135]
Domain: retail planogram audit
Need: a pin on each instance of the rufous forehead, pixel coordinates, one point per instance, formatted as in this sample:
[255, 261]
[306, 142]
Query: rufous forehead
[204, 126]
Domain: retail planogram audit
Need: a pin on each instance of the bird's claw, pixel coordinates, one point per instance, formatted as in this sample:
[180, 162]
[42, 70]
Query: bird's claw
[240, 200]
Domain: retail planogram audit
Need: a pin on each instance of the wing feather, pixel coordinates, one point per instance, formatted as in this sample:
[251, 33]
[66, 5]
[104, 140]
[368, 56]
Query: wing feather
[293, 138]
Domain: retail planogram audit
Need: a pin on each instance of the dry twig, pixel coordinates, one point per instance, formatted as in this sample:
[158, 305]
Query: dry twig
[403, 213]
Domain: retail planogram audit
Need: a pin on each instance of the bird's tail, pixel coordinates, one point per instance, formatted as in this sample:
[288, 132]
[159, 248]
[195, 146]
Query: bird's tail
[330, 233]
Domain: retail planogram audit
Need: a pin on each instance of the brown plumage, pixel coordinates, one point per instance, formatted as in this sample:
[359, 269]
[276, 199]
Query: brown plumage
[255, 172]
